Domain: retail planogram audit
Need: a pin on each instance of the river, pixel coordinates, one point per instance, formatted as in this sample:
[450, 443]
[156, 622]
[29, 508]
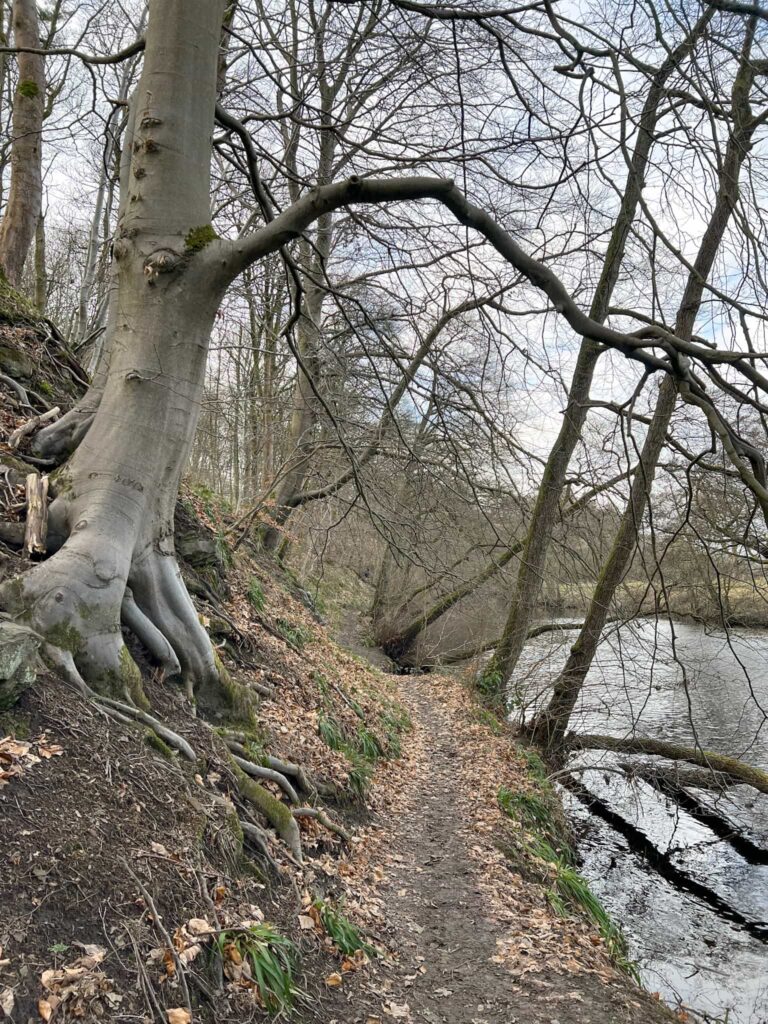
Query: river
[676, 682]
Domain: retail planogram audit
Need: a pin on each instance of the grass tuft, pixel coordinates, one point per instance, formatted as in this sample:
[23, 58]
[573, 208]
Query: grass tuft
[256, 594]
[272, 959]
[344, 935]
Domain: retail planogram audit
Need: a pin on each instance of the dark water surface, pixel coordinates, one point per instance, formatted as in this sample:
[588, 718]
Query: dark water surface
[677, 683]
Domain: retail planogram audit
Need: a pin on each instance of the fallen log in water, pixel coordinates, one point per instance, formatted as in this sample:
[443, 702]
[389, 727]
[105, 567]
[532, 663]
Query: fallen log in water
[736, 770]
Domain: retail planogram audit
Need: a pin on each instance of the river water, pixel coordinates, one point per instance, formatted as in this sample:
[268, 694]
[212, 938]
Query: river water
[676, 682]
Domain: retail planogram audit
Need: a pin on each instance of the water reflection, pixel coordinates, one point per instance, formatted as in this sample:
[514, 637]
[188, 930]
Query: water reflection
[681, 683]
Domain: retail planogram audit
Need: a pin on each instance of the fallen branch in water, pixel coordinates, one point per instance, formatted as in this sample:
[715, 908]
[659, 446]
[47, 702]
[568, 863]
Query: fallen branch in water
[730, 766]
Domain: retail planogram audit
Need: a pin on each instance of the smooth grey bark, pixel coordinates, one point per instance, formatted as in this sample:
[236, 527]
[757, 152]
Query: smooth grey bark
[549, 727]
[22, 211]
[115, 497]
[533, 557]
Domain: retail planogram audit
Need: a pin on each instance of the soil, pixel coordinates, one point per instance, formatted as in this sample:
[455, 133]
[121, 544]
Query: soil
[441, 923]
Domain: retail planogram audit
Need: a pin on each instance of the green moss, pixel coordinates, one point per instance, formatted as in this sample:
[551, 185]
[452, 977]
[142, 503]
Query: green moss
[130, 678]
[235, 700]
[68, 638]
[277, 813]
[15, 307]
[28, 88]
[14, 723]
[197, 238]
[61, 483]
[157, 743]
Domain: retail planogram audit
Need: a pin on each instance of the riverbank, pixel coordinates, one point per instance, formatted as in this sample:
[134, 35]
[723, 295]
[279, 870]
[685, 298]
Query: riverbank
[139, 884]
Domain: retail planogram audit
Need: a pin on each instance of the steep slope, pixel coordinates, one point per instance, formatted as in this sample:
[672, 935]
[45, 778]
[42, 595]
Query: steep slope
[340, 843]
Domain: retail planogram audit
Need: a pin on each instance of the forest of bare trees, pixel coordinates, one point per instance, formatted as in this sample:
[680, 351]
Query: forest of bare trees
[469, 301]
[456, 311]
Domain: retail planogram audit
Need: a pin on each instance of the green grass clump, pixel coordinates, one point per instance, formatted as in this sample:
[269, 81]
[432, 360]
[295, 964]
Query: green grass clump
[361, 750]
[273, 961]
[367, 745]
[395, 722]
[256, 594]
[299, 636]
[345, 935]
[570, 892]
[360, 773]
[331, 732]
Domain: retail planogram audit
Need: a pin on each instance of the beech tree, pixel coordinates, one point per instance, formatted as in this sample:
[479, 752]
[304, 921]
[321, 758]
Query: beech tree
[126, 443]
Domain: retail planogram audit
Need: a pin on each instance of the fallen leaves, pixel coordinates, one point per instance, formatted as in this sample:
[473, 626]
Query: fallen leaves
[81, 988]
[18, 755]
[334, 980]
[398, 1011]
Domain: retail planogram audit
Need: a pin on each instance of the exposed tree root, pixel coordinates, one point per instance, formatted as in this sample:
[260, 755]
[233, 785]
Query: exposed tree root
[277, 814]
[736, 770]
[259, 839]
[58, 440]
[319, 815]
[236, 742]
[149, 635]
[257, 771]
[167, 735]
[295, 771]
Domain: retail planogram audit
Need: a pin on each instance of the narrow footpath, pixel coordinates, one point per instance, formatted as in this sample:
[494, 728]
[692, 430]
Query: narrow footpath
[473, 943]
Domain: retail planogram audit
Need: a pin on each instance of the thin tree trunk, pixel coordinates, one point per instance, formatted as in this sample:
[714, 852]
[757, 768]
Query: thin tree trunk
[543, 520]
[549, 727]
[17, 229]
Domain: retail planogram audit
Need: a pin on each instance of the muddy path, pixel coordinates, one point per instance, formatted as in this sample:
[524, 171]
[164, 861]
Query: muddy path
[438, 919]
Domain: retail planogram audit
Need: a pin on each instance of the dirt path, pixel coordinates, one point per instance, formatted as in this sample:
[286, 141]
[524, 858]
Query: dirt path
[440, 923]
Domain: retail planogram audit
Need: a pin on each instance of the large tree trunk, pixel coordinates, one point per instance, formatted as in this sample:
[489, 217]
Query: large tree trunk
[544, 518]
[22, 212]
[549, 727]
[113, 511]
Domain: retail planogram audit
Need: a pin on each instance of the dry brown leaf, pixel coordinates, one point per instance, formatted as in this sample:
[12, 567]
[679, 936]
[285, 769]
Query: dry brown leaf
[48, 750]
[7, 1000]
[45, 1009]
[199, 926]
[334, 980]
[179, 1016]
[400, 1011]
